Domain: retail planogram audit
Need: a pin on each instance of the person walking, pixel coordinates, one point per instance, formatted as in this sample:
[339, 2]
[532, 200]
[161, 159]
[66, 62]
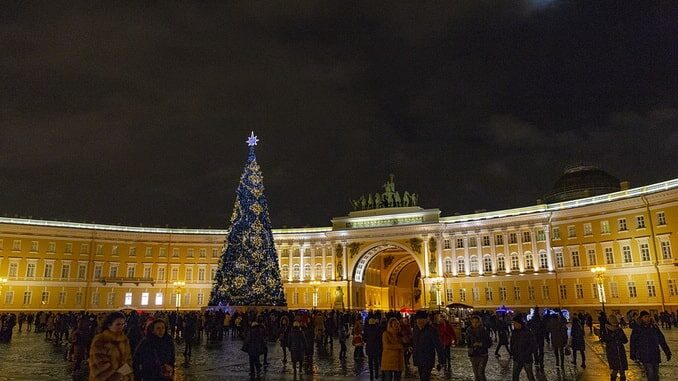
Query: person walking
[255, 346]
[425, 345]
[646, 339]
[392, 359]
[284, 336]
[298, 344]
[577, 342]
[357, 340]
[80, 340]
[615, 338]
[110, 357]
[155, 356]
[503, 334]
[558, 332]
[447, 339]
[372, 335]
[522, 349]
[479, 341]
[343, 335]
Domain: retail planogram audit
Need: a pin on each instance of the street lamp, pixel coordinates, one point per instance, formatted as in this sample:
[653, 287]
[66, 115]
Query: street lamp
[599, 274]
[178, 286]
[315, 284]
[437, 282]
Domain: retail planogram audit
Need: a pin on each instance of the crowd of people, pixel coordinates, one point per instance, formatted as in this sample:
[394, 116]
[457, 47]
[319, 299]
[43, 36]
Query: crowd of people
[141, 346]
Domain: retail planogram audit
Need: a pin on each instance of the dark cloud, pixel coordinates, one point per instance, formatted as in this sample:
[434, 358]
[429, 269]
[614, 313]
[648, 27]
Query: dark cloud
[137, 113]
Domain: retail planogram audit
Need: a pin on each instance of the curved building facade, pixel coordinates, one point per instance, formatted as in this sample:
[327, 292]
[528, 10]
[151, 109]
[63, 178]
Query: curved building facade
[385, 258]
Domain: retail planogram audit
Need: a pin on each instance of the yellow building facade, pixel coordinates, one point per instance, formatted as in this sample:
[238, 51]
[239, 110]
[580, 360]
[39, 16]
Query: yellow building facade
[387, 258]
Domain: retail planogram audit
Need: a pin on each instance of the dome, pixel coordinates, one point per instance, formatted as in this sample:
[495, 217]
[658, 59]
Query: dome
[582, 181]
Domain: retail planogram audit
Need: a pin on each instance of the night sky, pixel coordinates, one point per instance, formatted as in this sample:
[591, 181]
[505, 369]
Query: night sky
[138, 114]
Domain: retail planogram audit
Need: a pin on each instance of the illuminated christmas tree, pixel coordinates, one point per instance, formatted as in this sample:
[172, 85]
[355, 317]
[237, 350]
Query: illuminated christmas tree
[248, 273]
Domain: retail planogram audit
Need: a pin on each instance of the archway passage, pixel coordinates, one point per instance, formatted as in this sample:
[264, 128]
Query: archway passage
[391, 280]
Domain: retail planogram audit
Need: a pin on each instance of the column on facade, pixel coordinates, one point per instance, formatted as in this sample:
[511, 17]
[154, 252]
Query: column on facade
[535, 253]
[301, 262]
[344, 262]
[467, 257]
[427, 269]
[521, 252]
[324, 259]
[479, 255]
[313, 253]
[549, 252]
[290, 272]
[507, 251]
[439, 253]
[493, 251]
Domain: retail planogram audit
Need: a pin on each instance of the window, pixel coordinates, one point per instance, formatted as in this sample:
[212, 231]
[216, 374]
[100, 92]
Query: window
[640, 222]
[16, 245]
[144, 298]
[149, 252]
[587, 229]
[113, 271]
[215, 253]
[130, 271]
[626, 254]
[644, 252]
[516, 293]
[27, 297]
[84, 248]
[295, 272]
[175, 252]
[472, 242]
[158, 298]
[115, 250]
[161, 273]
[488, 294]
[461, 266]
[498, 239]
[622, 225]
[666, 250]
[501, 263]
[530, 292]
[213, 272]
[147, 271]
[673, 288]
[446, 244]
[462, 294]
[594, 290]
[609, 256]
[580, 291]
[460, 243]
[515, 263]
[162, 252]
[592, 257]
[62, 298]
[486, 240]
[614, 291]
[132, 251]
[543, 260]
[111, 298]
[284, 271]
[189, 274]
[13, 269]
[513, 238]
[541, 235]
[474, 264]
[295, 298]
[632, 289]
[34, 246]
[502, 293]
[30, 270]
[448, 265]
[529, 263]
[487, 264]
[563, 291]
[49, 267]
[187, 299]
[449, 294]
[97, 272]
[65, 271]
[604, 227]
[318, 271]
[545, 291]
[175, 273]
[575, 258]
[527, 237]
[190, 253]
[9, 297]
[95, 299]
[51, 247]
[201, 298]
[556, 233]
[651, 291]
[201, 274]
[560, 261]
[571, 231]
[100, 250]
[203, 253]
[307, 271]
[661, 218]
[44, 297]
[128, 298]
[475, 294]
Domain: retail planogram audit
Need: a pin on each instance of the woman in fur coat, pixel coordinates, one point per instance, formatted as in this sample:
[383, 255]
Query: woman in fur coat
[110, 358]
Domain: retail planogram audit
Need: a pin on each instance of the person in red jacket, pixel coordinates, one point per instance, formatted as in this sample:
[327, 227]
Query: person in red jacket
[447, 339]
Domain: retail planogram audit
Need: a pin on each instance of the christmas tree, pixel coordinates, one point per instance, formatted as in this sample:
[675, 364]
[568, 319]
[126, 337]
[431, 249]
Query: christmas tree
[248, 273]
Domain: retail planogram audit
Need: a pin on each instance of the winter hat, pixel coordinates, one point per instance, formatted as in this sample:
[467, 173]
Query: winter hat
[643, 313]
[421, 314]
[612, 319]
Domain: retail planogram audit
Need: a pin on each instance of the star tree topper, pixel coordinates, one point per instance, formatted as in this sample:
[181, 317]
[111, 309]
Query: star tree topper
[252, 140]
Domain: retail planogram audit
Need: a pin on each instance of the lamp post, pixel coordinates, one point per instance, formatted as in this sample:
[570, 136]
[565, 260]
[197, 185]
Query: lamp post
[599, 274]
[178, 286]
[315, 284]
[437, 282]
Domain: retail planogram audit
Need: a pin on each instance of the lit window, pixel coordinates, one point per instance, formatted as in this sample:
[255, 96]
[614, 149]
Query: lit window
[158, 298]
[144, 298]
[604, 227]
[128, 298]
[474, 264]
[588, 230]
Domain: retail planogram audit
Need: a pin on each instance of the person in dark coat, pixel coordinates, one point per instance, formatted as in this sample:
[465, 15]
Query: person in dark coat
[284, 336]
[522, 349]
[297, 345]
[425, 342]
[503, 334]
[373, 345]
[154, 354]
[479, 341]
[538, 328]
[614, 339]
[255, 343]
[577, 342]
[646, 338]
[558, 332]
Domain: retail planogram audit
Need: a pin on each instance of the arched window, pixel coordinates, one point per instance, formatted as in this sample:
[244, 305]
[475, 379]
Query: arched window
[501, 263]
[284, 271]
[487, 264]
[529, 263]
[295, 272]
[448, 265]
[329, 271]
[515, 264]
[461, 265]
[474, 264]
[543, 260]
[318, 271]
[307, 271]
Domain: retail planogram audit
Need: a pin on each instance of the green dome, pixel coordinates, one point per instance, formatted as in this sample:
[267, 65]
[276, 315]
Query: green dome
[580, 182]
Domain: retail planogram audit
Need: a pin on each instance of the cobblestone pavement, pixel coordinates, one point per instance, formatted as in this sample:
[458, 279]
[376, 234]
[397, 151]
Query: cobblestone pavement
[30, 357]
